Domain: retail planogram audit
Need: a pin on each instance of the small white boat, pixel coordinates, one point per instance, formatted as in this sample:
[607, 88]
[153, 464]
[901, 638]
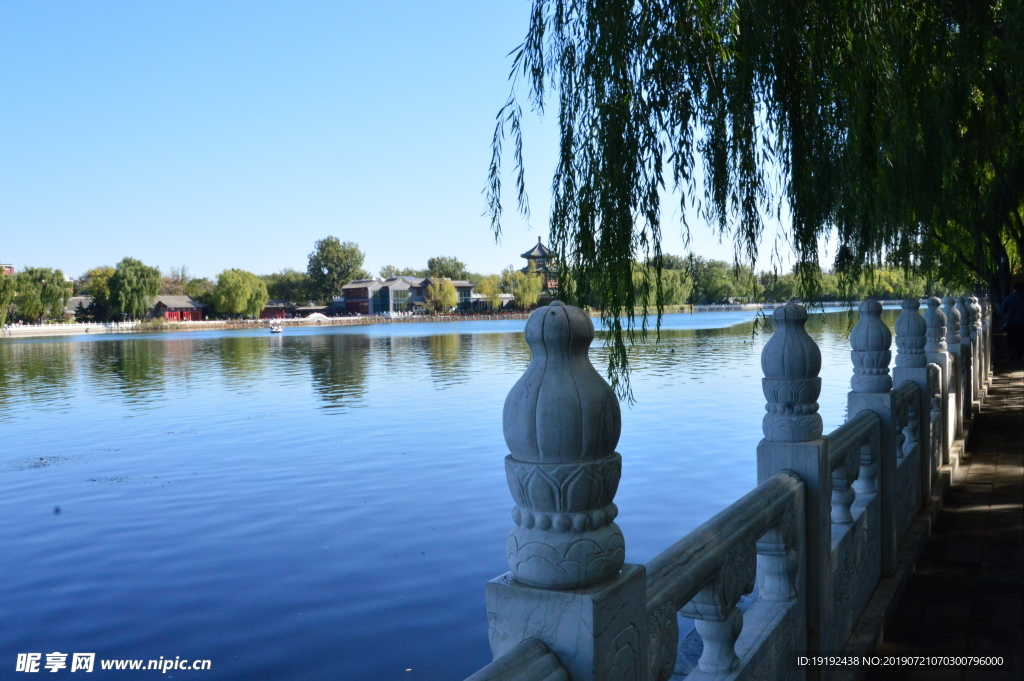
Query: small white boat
[276, 328]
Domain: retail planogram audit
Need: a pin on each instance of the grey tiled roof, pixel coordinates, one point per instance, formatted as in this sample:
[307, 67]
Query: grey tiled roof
[178, 303]
[538, 251]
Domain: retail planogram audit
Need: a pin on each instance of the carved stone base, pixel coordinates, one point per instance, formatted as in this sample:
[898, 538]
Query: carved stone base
[565, 560]
[599, 633]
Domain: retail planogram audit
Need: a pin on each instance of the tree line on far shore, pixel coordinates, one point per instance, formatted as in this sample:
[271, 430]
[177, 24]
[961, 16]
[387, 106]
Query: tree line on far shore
[127, 290]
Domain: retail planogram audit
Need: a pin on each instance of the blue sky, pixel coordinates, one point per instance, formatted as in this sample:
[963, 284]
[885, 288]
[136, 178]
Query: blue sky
[234, 134]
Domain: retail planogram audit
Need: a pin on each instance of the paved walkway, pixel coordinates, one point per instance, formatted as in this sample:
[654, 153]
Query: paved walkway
[965, 597]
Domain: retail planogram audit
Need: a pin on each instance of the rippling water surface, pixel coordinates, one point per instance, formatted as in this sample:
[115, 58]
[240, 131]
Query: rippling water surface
[327, 503]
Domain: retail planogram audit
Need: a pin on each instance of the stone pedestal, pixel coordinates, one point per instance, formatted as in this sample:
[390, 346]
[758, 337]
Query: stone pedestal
[598, 633]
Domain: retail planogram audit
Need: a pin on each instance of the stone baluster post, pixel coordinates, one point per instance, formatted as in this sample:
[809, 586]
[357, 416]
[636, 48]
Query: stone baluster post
[986, 342]
[936, 352]
[792, 441]
[976, 346]
[966, 360]
[955, 418]
[568, 585]
[912, 365]
[871, 388]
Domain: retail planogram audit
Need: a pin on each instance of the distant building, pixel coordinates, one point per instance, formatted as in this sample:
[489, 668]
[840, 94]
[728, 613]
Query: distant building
[7, 269]
[73, 302]
[176, 309]
[398, 295]
[277, 309]
[540, 256]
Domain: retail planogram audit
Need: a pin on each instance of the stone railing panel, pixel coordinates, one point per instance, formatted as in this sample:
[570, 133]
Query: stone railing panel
[856, 555]
[704, 575]
[906, 491]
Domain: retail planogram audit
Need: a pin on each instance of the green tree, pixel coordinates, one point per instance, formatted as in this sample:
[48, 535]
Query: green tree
[332, 264]
[391, 271]
[200, 290]
[288, 284]
[441, 294]
[239, 293]
[133, 287]
[41, 292]
[447, 266]
[525, 287]
[490, 288]
[7, 293]
[897, 125]
[96, 284]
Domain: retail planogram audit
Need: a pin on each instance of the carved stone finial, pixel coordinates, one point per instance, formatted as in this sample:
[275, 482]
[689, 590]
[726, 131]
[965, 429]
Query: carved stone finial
[952, 322]
[790, 362]
[963, 306]
[910, 336]
[871, 340]
[935, 321]
[975, 316]
[562, 423]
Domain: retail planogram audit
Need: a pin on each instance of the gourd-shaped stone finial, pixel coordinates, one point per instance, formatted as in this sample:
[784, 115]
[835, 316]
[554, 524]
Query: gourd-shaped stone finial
[910, 336]
[790, 362]
[935, 321]
[965, 319]
[952, 322]
[871, 340]
[562, 423]
[975, 316]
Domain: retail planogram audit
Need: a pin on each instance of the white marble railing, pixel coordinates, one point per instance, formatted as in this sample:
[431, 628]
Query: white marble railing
[809, 544]
[705, 574]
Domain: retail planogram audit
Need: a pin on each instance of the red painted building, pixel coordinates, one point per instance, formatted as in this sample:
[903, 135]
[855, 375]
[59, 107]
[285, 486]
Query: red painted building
[177, 309]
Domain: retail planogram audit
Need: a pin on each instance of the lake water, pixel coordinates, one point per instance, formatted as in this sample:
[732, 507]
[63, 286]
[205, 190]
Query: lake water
[327, 503]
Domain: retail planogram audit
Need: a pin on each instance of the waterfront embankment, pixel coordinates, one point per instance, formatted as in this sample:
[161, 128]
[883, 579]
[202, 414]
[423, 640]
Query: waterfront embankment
[74, 328]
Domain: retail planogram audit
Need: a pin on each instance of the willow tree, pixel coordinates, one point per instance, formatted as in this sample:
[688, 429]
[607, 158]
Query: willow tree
[441, 294]
[7, 292]
[894, 126]
[133, 287]
[239, 292]
[40, 292]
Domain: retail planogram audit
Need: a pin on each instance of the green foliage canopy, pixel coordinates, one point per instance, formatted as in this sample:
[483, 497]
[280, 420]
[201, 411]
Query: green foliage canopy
[332, 264]
[490, 288]
[7, 293]
[239, 293]
[392, 271]
[447, 266]
[441, 294]
[289, 285]
[525, 287]
[41, 291]
[96, 284]
[133, 287]
[899, 125]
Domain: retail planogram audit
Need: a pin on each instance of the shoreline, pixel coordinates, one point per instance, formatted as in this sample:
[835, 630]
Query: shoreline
[93, 328]
[77, 328]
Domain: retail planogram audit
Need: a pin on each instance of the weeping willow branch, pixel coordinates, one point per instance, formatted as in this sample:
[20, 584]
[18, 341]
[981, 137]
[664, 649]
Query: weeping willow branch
[868, 112]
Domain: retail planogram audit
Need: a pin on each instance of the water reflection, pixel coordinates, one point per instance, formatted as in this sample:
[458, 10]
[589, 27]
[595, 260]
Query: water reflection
[244, 359]
[338, 367]
[134, 368]
[290, 537]
[40, 372]
[448, 357]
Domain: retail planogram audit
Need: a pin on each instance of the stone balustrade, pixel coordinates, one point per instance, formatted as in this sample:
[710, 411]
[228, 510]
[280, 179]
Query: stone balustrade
[790, 567]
